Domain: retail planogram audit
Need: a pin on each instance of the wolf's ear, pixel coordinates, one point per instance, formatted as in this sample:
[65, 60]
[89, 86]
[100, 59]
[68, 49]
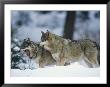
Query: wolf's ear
[47, 33]
[24, 39]
[47, 30]
[28, 39]
[42, 32]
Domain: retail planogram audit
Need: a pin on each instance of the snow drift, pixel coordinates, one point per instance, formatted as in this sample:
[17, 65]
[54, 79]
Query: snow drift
[73, 70]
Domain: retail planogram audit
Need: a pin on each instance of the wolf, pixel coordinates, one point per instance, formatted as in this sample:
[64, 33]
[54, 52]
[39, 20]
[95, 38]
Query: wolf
[67, 51]
[34, 51]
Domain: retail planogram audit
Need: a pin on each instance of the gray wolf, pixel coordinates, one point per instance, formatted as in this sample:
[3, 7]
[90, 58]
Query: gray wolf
[42, 56]
[67, 51]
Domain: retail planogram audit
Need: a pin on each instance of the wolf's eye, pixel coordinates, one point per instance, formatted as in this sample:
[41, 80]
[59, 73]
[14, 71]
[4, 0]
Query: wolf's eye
[27, 52]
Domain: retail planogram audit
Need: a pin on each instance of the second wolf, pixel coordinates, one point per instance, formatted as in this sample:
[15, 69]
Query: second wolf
[67, 51]
[34, 51]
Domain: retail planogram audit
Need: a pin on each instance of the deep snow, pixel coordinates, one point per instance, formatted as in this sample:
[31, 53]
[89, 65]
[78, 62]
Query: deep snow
[73, 70]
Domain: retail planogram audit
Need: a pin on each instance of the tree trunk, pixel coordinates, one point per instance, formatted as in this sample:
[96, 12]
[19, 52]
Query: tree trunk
[69, 25]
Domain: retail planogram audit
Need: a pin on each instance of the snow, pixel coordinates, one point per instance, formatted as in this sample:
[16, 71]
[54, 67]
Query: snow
[73, 70]
[16, 48]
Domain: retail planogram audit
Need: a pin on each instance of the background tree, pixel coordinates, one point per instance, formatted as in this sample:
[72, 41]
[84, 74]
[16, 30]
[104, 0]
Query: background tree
[69, 25]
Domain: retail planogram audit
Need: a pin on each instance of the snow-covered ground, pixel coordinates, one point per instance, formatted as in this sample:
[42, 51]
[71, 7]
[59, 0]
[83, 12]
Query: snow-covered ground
[73, 70]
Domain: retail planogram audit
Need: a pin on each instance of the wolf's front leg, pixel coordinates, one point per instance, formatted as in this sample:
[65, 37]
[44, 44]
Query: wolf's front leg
[61, 62]
[58, 63]
[41, 65]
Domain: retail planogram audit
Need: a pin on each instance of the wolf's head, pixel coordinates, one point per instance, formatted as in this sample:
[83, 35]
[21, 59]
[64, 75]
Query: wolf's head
[47, 39]
[46, 36]
[25, 43]
[52, 41]
[30, 48]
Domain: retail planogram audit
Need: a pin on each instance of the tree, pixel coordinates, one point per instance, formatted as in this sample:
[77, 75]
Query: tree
[69, 25]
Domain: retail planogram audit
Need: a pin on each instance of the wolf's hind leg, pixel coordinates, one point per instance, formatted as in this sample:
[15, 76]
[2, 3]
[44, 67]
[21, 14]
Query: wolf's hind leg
[61, 62]
[91, 57]
[96, 64]
[41, 65]
[88, 63]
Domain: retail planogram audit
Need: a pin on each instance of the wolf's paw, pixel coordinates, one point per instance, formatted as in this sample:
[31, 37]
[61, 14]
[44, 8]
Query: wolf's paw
[66, 64]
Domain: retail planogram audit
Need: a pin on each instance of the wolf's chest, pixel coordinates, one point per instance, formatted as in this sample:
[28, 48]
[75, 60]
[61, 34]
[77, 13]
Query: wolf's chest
[36, 59]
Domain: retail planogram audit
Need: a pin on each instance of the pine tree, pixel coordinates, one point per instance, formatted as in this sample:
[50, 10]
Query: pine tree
[16, 56]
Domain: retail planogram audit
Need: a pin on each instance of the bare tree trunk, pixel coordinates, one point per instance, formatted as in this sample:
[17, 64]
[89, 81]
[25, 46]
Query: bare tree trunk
[69, 25]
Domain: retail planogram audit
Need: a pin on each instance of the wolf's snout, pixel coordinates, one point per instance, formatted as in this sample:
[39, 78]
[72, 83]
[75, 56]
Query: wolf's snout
[42, 44]
[30, 57]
